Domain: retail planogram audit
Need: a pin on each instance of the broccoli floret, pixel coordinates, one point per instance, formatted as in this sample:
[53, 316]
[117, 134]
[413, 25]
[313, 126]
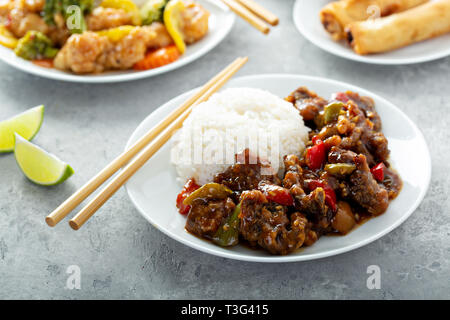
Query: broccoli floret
[35, 45]
[66, 9]
[152, 11]
[49, 11]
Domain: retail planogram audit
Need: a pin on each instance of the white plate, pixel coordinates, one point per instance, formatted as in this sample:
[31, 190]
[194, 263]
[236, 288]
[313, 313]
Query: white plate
[220, 23]
[307, 21]
[153, 189]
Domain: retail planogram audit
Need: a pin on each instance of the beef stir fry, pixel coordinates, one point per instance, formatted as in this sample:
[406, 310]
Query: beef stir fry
[342, 178]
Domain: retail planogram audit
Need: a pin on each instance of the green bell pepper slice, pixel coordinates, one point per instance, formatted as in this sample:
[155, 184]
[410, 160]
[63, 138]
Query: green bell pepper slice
[228, 233]
[208, 191]
[340, 168]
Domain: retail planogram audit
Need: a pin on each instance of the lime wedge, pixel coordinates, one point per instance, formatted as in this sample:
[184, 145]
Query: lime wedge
[27, 124]
[38, 165]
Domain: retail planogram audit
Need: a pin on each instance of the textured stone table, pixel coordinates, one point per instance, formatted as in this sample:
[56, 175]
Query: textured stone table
[122, 256]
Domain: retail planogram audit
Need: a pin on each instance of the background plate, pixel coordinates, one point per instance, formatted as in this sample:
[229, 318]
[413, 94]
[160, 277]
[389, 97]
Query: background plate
[220, 23]
[153, 189]
[307, 21]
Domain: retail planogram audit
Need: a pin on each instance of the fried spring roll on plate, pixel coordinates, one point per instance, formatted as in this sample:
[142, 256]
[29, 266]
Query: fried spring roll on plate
[336, 15]
[426, 21]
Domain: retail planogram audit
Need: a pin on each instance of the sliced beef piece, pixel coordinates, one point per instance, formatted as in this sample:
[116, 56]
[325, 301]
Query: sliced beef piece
[344, 189]
[377, 144]
[392, 182]
[293, 171]
[332, 141]
[307, 102]
[206, 216]
[309, 174]
[367, 105]
[267, 224]
[246, 174]
[331, 180]
[311, 236]
[339, 155]
[363, 138]
[328, 131]
[365, 190]
[361, 148]
[314, 206]
[297, 193]
[354, 142]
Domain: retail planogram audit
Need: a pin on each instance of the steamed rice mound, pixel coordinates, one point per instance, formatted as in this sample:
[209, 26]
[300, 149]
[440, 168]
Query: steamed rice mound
[231, 121]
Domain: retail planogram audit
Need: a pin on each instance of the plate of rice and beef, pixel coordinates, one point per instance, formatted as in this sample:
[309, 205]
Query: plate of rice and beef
[388, 32]
[281, 168]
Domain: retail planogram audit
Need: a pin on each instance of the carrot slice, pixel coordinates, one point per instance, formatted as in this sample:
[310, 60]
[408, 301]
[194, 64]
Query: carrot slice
[158, 58]
[45, 63]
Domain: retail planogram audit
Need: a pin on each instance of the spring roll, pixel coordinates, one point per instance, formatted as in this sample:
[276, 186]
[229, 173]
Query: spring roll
[335, 16]
[426, 21]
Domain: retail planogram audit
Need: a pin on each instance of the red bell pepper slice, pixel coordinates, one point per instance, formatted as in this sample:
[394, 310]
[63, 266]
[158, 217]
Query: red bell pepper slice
[341, 96]
[277, 194]
[188, 188]
[315, 155]
[378, 172]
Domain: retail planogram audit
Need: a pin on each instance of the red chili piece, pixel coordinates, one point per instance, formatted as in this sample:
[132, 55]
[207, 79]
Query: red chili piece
[188, 188]
[341, 96]
[315, 155]
[277, 194]
[378, 172]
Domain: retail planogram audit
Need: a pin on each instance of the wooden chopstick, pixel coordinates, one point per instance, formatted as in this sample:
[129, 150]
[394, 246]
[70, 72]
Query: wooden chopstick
[247, 15]
[147, 153]
[260, 11]
[88, 188]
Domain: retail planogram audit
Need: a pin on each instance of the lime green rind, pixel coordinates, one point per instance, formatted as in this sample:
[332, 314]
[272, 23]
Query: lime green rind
[66, 171]
[42, 107]
[40, 113]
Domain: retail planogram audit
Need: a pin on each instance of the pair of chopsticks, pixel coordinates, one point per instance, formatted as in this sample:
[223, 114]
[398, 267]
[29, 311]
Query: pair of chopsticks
[253, 13]
[144, 148]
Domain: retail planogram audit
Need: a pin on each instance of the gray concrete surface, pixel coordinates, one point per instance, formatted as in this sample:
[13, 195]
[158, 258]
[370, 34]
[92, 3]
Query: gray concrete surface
[123, 256]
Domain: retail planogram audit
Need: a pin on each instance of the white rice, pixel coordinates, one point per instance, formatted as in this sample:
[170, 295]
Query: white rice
[231, 121]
